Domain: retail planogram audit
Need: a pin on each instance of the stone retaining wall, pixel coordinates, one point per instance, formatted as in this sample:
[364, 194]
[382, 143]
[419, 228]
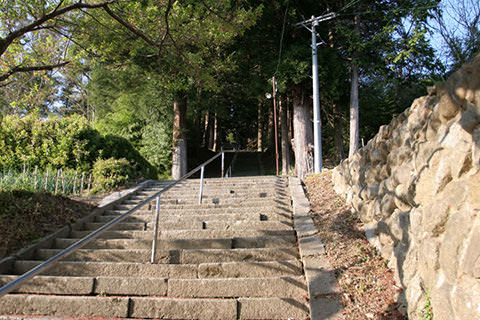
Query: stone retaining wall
[416, 186]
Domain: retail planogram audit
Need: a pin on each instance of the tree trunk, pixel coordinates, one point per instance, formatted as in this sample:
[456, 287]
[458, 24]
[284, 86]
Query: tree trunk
[354, 112]
[179, 155]
[271, 131]
[284, 136]
[303, 134]
[198, 130]
[337, 113]
[205, 131]
[338, 124]
[259, 129]
[211, 131]
[215, 134]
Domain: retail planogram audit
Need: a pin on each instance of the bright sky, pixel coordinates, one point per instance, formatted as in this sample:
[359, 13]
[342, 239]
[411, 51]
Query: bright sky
[456, 12]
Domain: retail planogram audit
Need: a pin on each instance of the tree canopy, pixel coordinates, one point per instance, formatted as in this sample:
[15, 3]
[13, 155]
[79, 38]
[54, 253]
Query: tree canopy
[123, 65]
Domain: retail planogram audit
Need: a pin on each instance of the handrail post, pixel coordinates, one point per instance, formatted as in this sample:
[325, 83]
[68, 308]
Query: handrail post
[200, 194]
[223, 163]
[155, 230]
[12, 285]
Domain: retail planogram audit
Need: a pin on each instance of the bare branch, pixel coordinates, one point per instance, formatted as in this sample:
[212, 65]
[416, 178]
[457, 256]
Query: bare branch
[76, 42]
[7, 41]
[215, 13]
[167, 25]
[17, 69]
[130, 27]
[59, 5]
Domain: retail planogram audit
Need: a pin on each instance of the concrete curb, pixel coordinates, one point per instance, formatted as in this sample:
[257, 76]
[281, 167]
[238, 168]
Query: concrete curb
[319, 274]
[46, 242]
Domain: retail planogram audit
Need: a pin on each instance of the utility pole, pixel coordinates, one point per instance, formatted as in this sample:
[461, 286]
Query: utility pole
[274, 81]
[317, 124]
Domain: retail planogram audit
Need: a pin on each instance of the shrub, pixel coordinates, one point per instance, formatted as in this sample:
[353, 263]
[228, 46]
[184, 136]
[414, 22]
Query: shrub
[62, 142]
[111, 173]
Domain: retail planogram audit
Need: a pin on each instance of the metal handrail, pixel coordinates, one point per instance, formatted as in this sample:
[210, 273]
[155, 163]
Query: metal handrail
[230, 167]
[82, 242]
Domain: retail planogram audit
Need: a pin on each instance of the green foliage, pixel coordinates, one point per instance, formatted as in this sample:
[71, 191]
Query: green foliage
[130, 105]
[157, 145]
[53, 142]
[67, 142]
[62, 181]
[111, 173]
[427, 311]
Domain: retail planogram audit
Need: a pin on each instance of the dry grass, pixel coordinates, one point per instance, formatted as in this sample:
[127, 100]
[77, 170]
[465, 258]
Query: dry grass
[26, 217]
[367, 284]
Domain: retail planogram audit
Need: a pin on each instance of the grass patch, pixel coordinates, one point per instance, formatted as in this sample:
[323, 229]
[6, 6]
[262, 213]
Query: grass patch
[25, 217]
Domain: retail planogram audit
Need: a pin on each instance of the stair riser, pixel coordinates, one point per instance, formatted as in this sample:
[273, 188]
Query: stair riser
[237, 210]
[59, 306]
[142, 226]
[224, 288]
[173, 218]
[112, 255]
[175, 256]
[177, 271]
[166, 308]
[184, 234]
[147, 244]
[282, 287]
[172, 244]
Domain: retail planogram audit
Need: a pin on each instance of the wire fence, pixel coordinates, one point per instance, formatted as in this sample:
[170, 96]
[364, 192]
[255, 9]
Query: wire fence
[56, 181]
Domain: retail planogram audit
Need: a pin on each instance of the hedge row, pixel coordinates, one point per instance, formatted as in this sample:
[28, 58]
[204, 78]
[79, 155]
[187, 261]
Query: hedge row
[64, 142]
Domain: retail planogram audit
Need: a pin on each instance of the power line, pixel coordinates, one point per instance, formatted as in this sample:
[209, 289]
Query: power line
[398, 10]
[281, 40]
[352, 3]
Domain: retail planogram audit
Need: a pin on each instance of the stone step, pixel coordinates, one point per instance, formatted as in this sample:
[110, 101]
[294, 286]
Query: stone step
[255, 269]
[61, 285]
[167, 244]
[241, 187]
[174, 218]
[182, 211]
[142, 226]
[247, 225]
[171, 308]
[221, 204]
[280, 215]
[109, 255]
[272, 308]
[206, 197]
[184, 234]
[195, 225]
[235, 269]
[281, 235]
[151, 307]
[53, 285]
[190, 256]
[209, 192]
[263, 241]
[282, 287]
[197, 256]
[73, 306]
[111, 269]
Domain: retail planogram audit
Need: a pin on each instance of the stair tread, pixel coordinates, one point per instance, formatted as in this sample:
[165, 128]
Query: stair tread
[235, 258]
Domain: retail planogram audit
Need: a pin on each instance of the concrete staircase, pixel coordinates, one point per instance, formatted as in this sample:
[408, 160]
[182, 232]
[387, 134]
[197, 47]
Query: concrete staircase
[235, 256]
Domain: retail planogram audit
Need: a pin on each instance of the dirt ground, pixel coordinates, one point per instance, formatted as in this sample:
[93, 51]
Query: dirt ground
[26, 217]
[367, 284]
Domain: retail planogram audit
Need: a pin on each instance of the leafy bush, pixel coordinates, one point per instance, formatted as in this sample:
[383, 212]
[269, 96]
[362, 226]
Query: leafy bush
[43, 143]
[62, 142]
[111, 173]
